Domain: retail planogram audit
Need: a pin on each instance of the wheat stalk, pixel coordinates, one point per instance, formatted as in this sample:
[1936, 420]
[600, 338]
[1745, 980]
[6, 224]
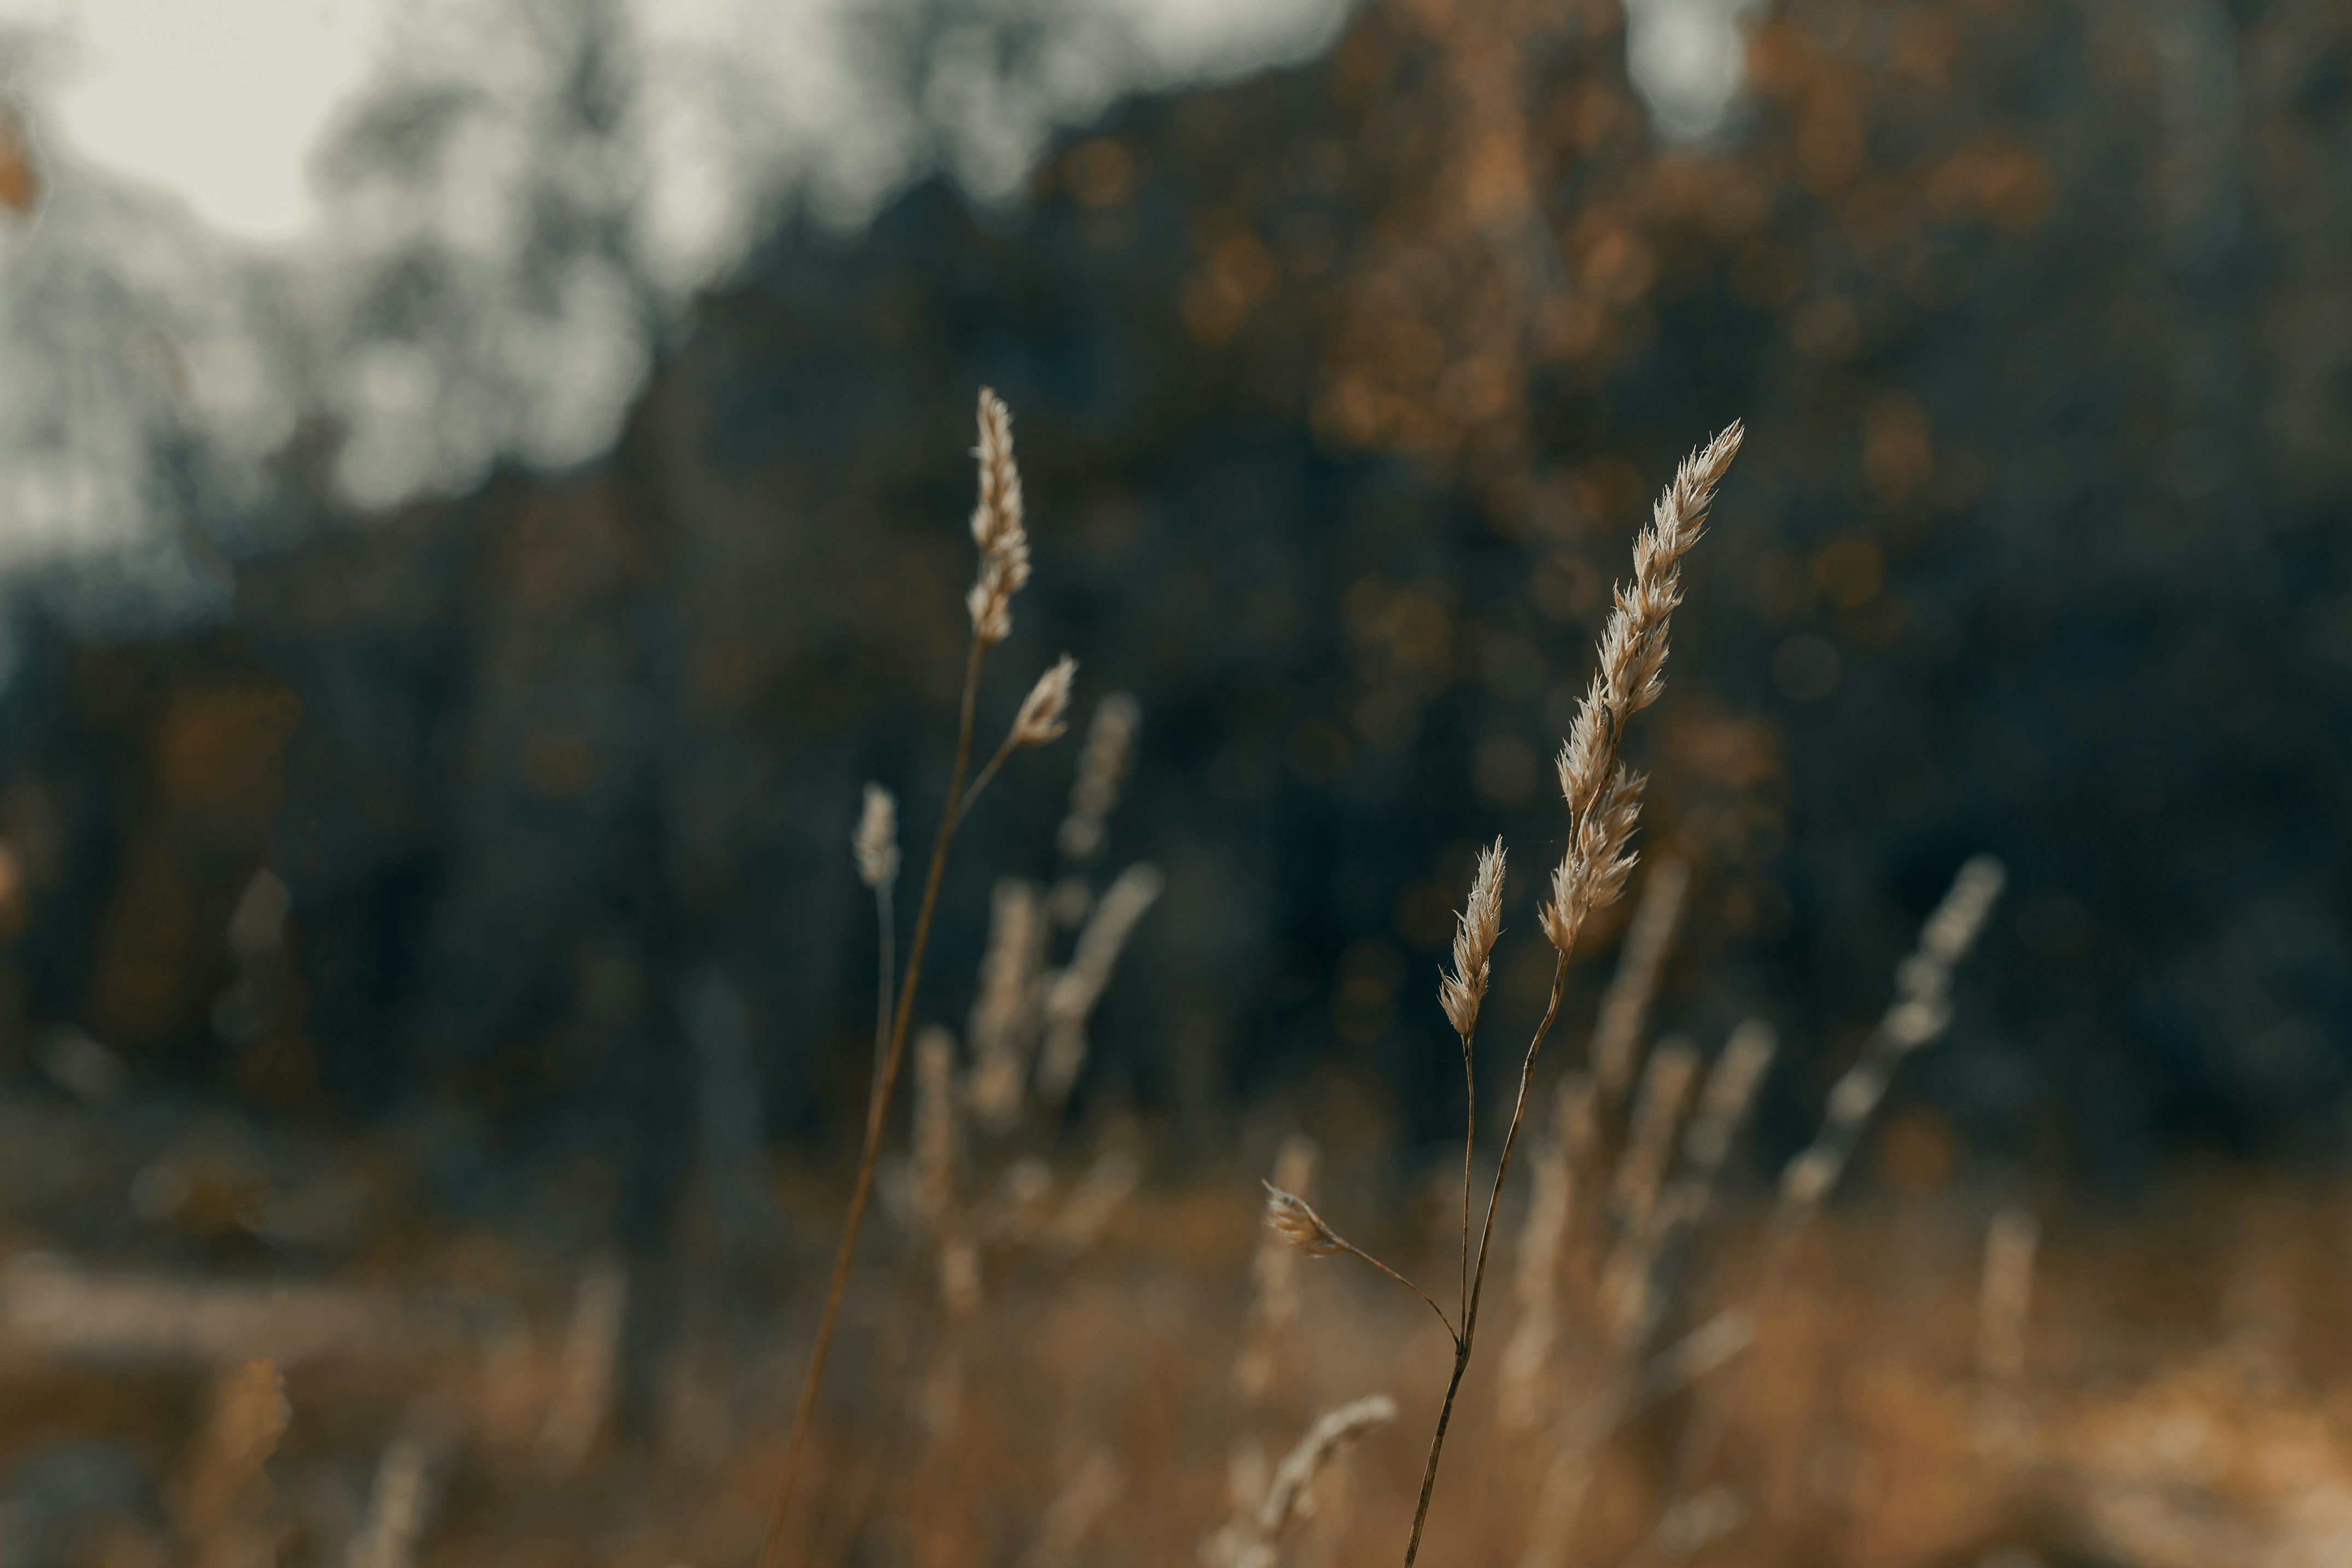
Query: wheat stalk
[1004, 1018]
[1460, 993]
[998, 528]
[1641, 959]
[1918, 1013]
[1633, 1292]
[1251, 1539]
[1666, 1082]
[1072, 992]
[1633, 1288]
[1604, 800]
[1103, 764]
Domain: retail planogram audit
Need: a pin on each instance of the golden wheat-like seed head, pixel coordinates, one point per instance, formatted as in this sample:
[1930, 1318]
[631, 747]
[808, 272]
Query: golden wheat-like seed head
[1604, 798]
[1474, 944]
[1592, 873]
[876, 842]
[1045, 711]
[998, 513]
[1295, 1220]
[997, 525]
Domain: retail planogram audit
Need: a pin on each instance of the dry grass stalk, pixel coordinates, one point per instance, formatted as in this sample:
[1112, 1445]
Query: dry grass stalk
[55, 1308]
[1083, 1499]
[2010, 1241]
[1919, 1012]
[1634, 1289]
[998, 528]
[1004, 1029]
[1641, 960]
[2004, 1300]
[227, 1491]
[396, 1510]
[1526, 1355]
[1294, 1220]
[1327, 1439]
[1016, 1207]
[1254, 1540]
[585, 1374]
[1604, 798]
[1603, 801]
[1072, 992]
[1666, 1083]
[1043, 715]
[1460, 993]
[1634, 1389]
[1096, 1199]
[938, 1132]
[1274, 1272]
[1479, 925]
[1103, 764]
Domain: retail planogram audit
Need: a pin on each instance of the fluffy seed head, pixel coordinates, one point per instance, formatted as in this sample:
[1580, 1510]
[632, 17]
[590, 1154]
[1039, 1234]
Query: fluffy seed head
[998, 516]
[1045, 711]
[876, 842]
[1291, 1218]
[1603, 798]
[1474, 944]
[1599, 858]
[997, 525]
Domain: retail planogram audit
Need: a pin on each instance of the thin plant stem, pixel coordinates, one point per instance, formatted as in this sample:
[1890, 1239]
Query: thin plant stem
[980, 780]
[771, 1544]
[1350, 1246]
[1462, 1344]
[888, 971]
[1469, 1143]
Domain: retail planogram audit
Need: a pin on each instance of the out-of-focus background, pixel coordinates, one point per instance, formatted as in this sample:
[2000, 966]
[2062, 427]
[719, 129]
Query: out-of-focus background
[483, 487]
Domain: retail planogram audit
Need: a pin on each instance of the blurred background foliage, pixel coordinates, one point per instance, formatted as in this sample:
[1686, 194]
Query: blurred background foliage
[457, 759]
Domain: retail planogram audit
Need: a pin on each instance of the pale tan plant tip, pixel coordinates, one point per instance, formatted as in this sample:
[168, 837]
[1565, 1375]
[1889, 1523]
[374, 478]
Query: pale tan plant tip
[876, 842]
[1045, 711]
[1481, 924]
[1330, 1436]
[1604, 798]
[1291, 1218]
[997, 525]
